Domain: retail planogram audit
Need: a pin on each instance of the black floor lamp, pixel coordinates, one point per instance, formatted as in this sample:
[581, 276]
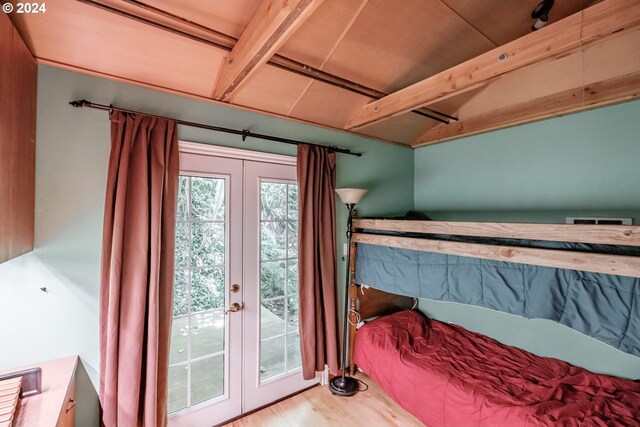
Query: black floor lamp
[344, 385]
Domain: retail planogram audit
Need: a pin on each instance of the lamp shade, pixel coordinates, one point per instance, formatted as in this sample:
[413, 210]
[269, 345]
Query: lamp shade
[350, 195]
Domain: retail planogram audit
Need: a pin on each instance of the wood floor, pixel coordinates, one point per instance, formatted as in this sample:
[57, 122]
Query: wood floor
[316, 407]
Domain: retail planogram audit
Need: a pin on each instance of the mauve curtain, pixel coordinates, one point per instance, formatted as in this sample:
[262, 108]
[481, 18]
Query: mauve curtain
[317, 259]
[136, 289]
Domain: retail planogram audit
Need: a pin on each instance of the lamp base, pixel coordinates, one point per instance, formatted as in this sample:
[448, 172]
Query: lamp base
[343, 386]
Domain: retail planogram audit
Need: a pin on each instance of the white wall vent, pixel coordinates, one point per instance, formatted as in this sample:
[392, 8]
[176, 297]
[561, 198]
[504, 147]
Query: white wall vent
[599, 221]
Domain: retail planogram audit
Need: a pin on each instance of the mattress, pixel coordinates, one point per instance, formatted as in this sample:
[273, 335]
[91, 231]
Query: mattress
[446, 375]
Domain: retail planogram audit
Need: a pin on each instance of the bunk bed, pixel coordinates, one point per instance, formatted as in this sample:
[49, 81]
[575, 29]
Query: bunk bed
[448, 376]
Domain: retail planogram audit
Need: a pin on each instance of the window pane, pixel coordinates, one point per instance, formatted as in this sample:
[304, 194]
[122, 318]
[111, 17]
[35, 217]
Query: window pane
[207, 247]
[293, 201]
[182, 245]
[273, 241]
[273, 198]
[207, 289]
[207, 199]
[271, 357]
[292, 314]
[292, 276]
[272, 278]
[177, 398]
[293, 352]
[207, 379]
[207, 334]
[272, 318]
[180, 292]
[292, 239]
[183, 198]
[178, 348]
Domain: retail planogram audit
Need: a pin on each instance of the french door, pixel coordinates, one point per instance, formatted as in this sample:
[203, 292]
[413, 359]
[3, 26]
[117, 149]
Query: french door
[234, 343]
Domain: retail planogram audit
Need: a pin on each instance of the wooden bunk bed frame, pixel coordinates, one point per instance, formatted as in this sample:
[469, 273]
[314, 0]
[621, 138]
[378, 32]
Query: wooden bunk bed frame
[371, 302]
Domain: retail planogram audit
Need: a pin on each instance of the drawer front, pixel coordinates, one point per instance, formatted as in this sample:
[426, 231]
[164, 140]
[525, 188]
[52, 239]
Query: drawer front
[68, 412]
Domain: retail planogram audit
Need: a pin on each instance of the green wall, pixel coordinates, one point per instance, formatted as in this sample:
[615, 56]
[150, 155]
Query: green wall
[582, 164]
[71, 165]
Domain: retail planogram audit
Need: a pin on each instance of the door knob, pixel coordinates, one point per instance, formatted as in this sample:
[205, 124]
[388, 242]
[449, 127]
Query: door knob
[233, 308]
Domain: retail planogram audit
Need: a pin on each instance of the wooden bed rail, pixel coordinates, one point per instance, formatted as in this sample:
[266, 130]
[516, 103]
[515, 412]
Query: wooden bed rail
[575, 233]
[571, 260]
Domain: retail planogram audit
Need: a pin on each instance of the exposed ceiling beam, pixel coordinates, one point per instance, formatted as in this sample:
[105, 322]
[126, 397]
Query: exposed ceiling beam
[553, 41]
[606, 72]
[185, 28]
[606, 92]
[273, 23]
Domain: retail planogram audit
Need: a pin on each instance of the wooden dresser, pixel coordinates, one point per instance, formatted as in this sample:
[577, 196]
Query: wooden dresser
[55, 406]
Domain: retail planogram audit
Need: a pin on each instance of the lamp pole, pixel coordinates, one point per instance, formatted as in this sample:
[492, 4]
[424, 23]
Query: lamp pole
[345, 385]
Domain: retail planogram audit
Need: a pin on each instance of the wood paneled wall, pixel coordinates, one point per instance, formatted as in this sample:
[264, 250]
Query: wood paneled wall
[18, 90]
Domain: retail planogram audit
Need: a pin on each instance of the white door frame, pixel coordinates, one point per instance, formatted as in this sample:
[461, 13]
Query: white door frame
[244, 393]
[234, 153]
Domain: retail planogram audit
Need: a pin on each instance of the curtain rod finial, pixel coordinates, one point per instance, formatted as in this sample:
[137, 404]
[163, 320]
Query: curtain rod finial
[79, 103]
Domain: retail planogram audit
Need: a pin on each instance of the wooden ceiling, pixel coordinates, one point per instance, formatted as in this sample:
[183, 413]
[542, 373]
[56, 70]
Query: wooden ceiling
[328, 62]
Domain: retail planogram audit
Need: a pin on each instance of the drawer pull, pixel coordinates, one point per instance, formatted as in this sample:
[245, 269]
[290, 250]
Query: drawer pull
[73, 403]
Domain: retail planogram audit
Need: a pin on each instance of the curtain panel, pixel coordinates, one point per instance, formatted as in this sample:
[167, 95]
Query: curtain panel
[316, 170]
[136, 290]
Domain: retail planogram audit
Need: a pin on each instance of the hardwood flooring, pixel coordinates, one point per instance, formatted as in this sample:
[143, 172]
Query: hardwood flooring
[316, 407]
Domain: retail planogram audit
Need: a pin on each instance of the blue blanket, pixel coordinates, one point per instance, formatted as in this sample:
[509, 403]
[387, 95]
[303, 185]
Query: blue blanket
[605, 307]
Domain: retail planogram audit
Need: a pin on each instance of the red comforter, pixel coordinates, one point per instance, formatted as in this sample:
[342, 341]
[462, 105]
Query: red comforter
[448, 376]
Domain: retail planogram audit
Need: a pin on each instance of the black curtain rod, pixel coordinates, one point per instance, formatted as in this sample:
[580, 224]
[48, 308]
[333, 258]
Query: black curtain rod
[244, 132]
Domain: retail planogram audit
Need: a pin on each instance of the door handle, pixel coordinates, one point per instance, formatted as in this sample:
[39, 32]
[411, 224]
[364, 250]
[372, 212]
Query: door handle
[233, 308]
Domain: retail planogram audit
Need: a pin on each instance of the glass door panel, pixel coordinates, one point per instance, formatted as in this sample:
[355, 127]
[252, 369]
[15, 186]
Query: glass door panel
[204, 367]
[272, 356]
[197, 338]
[279, 338]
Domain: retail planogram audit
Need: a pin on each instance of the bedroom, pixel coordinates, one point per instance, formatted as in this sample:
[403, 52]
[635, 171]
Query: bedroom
[577, 165]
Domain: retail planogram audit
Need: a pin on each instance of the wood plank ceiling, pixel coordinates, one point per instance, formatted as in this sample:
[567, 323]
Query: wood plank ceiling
[242, 52]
